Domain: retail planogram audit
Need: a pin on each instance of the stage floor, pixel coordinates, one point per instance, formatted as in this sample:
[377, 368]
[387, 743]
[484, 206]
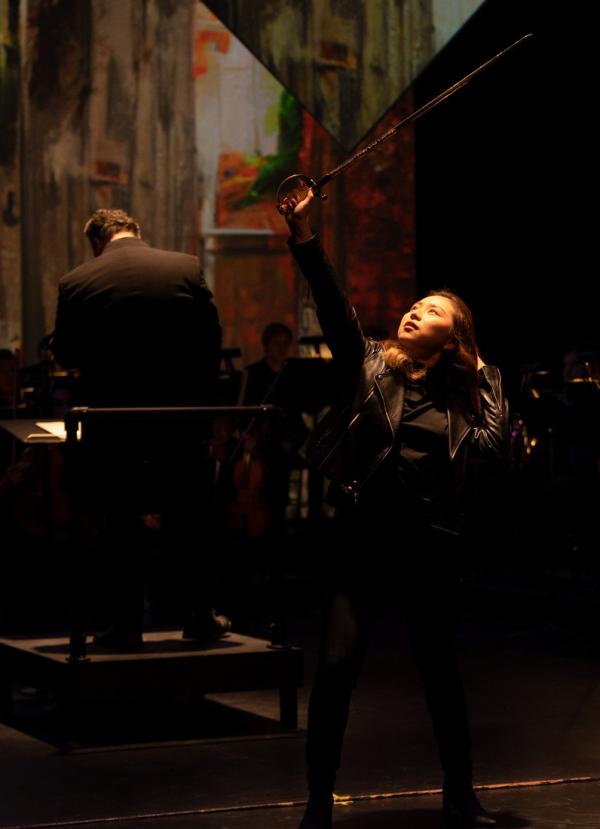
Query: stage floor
[570, 806]
[535, 709]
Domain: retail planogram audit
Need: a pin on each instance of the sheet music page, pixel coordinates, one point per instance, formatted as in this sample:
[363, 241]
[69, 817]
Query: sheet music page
[56, 428]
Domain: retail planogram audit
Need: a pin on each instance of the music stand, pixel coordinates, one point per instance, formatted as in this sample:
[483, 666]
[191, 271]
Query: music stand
[315, 340]
[306, 384]
[230, 377]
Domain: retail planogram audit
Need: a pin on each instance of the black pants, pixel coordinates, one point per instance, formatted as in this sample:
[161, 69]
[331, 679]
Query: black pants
[419, 566]
[113, 486]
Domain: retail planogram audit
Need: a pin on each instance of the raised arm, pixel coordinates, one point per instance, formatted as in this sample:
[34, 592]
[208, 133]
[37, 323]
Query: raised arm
[337, 317]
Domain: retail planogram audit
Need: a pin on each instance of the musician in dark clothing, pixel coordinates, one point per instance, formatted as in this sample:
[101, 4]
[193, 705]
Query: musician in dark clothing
[261, 377]
[268, 381]
[140, 325]
[395, 447]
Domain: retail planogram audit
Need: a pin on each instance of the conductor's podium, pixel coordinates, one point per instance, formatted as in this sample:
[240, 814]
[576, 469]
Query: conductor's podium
[167, 666]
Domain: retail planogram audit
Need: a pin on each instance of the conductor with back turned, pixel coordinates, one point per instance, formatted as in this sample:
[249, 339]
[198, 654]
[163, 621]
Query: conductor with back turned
[141, 326]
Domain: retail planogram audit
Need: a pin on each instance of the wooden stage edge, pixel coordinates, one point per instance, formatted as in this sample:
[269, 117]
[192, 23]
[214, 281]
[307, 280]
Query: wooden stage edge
[165, 666]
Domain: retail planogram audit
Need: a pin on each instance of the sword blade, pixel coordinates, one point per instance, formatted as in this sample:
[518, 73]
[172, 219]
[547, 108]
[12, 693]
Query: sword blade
[410, 119]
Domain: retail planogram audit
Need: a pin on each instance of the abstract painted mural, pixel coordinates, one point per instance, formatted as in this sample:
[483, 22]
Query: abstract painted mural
[251, 134]
[157, 107]
[248, 128]
[10, 222]
[108, 120]
[346, 62]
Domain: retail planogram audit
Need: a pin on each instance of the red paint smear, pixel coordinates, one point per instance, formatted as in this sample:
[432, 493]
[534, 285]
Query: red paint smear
[204, 39]
[368, 224]
[380, 226]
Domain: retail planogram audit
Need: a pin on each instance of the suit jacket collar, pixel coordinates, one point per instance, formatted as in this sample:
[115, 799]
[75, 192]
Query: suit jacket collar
[123, 242]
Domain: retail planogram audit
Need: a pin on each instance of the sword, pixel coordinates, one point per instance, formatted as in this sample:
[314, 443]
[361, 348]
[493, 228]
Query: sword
[300, 184]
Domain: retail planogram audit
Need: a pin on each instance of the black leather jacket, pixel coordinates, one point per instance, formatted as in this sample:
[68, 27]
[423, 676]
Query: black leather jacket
[373, 394]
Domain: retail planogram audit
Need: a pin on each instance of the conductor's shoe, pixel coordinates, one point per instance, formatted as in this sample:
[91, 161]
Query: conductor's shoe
[116, 640]
[319, 813]
[206, 628]
[462, 809]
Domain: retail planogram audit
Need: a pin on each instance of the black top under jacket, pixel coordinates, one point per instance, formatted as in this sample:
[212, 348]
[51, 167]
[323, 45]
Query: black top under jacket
[416, 475]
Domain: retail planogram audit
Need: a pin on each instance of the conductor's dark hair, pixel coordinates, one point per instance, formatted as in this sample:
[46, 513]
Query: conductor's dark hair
[272, 330]
[104, 223]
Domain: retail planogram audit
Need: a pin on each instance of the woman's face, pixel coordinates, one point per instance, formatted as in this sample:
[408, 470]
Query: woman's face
[426, 328]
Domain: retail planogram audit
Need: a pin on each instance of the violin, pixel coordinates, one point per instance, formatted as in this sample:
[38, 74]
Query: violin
[250, 512]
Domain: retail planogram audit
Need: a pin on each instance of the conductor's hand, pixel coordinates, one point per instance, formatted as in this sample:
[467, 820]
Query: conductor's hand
[298, 215]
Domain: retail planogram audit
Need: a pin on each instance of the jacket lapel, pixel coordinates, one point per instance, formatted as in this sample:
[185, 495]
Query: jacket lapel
[390, 385]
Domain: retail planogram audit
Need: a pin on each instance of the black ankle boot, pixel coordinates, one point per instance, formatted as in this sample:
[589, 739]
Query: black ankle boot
[206, 627]
[318, 814]
[463, 809]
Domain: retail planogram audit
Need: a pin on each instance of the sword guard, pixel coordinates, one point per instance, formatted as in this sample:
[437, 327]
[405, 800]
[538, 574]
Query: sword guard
[298, 184]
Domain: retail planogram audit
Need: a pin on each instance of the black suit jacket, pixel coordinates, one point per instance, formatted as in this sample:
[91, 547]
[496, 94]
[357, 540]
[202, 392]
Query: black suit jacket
[140, 325]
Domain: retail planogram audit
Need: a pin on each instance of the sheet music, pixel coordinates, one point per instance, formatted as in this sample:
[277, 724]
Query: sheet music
[51, 429]
[56, 428]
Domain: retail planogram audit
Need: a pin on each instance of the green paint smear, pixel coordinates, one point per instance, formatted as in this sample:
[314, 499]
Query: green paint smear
[277, 167]
[272, 119]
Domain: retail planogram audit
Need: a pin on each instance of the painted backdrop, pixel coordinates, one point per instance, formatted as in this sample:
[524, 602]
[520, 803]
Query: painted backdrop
[157, 107]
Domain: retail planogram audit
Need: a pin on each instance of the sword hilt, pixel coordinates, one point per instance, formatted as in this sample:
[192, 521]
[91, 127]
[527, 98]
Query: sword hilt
[298, 184]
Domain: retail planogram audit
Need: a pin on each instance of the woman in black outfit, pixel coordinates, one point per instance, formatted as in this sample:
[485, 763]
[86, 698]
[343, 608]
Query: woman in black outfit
[395, 448]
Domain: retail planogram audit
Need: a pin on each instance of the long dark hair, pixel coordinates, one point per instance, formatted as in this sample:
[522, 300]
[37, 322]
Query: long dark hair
[459, 364]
